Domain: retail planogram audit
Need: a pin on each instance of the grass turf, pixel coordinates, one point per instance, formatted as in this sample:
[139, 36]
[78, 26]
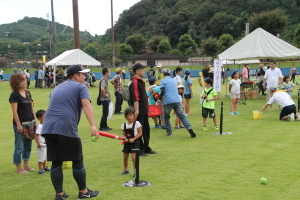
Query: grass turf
[206, 167]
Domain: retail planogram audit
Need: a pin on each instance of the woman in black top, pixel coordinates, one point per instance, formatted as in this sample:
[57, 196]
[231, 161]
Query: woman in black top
[21, 104]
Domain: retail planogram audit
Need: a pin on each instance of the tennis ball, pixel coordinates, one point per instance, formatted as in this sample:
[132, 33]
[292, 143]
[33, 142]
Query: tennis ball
[263, 180]
[93, 138]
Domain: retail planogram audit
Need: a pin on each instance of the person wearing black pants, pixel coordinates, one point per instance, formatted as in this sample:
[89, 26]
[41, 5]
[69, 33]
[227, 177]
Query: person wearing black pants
[104, 98]
[139, 100]
[117, 83]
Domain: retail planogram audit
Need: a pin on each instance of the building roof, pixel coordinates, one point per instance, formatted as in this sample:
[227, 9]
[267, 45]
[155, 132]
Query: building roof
[154, 56]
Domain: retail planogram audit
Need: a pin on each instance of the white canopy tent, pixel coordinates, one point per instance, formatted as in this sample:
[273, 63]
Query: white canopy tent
[230, 62]
[72, 57]
[260, 44]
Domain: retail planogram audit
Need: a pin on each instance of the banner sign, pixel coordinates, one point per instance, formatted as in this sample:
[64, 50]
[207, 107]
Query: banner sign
[217, 75]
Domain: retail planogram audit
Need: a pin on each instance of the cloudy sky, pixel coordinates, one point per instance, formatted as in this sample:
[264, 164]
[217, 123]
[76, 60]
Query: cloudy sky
[94, 15]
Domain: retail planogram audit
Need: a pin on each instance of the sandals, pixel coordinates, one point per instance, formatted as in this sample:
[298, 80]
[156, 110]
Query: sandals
[22, 172]
[30, 169]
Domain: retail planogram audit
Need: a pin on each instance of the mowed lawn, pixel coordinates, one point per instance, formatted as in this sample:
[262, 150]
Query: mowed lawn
[206, 167]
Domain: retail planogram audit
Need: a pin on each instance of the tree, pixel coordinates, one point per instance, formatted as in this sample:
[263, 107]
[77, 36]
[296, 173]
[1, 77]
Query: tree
[297, 35]
[186, 41]
[175, 52]
[137, 42]
[225, 41]
[164, 46]
[125, 49]
[210, 47]
[91, 50]
[273, 21]
[154, 41]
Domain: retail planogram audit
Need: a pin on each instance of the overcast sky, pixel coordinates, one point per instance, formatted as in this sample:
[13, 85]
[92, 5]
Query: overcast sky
[94, 15]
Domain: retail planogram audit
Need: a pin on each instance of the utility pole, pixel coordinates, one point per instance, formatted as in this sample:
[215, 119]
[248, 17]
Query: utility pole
[112, 37]
[7, 34]
[53, 32]
[76, 25]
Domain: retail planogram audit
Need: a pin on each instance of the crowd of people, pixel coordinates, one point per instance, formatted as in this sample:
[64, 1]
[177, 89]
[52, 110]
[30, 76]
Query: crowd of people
[57, 135]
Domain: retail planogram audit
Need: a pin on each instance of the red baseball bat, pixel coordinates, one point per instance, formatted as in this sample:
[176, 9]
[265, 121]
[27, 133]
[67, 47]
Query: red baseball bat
[110, 135]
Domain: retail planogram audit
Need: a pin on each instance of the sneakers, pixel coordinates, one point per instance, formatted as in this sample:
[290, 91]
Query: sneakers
[216, 127]
[236, 113]
[41, 172]
[105, 129]
[177, 127]
[298, 116]
[169, 134]
[89, 194]
[292, 117]
[59, 197]
[125, 172]
[181, 127]
[205, 128]
[47, 169]
[231, 113]
[156, 126]
[192, 133]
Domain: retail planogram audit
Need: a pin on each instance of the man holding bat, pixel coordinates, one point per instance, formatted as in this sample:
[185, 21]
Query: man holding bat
[138, 98]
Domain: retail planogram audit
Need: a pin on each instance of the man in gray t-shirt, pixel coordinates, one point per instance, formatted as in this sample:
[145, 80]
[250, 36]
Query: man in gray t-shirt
[105, 99]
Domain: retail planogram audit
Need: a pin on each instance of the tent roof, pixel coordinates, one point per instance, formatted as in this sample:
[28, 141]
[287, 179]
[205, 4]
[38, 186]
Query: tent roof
[154, 55]
[229, 62]
[73, 57]
[260, 44]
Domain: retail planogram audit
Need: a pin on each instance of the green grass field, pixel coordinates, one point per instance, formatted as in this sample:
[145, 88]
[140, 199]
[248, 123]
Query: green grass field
[209, 166]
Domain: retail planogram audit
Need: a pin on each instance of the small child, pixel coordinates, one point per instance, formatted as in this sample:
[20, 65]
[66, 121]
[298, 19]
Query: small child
[234, 89]
[208, 105]
[41, 144]
[153, 89]
[132, 131]
[178, 124]
[287, 85]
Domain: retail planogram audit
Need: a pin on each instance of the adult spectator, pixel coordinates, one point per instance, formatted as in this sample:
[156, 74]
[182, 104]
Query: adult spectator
[117, 83]
[150, 73]
[27, 74]
[293, 72]
[46, 78]
[139, 100]
[22, 110]
[272, 78]
[40, 78]
[1, 75]
[285, 101]
[171, 101]
[260, 73]
[60, 129]
[245, 73]
[104, 98]
[36, 73]
[159, 74]
[205, 72]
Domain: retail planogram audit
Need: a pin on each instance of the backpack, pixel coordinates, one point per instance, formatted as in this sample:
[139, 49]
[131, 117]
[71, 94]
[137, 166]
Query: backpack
[126, 95]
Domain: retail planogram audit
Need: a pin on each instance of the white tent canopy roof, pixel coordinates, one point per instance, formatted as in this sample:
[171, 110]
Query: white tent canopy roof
[230, 62]
[260, 44]
[73, 57]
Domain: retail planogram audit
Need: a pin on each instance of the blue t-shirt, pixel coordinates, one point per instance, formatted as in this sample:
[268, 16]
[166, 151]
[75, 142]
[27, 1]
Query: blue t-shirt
[40, 74]
[149, 93]
[64, 111]
[171, 90]
[186, 86]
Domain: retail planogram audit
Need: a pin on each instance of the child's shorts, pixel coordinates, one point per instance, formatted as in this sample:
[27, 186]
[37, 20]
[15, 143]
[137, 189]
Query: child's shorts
[128, 148]
[235, 96]
[188, 96]
[42, 153]
[208, 112]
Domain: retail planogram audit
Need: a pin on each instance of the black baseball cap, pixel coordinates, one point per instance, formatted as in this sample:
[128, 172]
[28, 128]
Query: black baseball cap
[137, 66]
[74, 69]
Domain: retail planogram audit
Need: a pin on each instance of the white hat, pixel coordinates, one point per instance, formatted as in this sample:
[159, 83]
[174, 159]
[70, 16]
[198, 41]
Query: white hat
[159, 65]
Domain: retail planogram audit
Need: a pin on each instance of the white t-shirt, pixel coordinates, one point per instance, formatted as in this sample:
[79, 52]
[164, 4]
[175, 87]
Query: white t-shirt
[128, 126]
[272, 77]
[178, 79]
[39, 131]
[282, 99]
[235, 86]
[1, 72]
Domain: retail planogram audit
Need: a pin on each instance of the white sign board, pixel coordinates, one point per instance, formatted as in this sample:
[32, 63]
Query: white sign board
[217, 75]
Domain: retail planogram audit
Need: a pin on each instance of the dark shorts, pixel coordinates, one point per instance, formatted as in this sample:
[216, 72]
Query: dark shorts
[208, 112]
[188, 96]
[128, 148]
[287, 110]
[63, 148]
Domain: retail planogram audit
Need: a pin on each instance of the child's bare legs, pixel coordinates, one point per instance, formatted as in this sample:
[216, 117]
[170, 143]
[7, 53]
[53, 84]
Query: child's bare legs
[41, 165]
[133, 159]
[204, 121]
[187, 106]
[155, 121]
[215, 121]
[125, 161]
[236, 104]
[232, 105]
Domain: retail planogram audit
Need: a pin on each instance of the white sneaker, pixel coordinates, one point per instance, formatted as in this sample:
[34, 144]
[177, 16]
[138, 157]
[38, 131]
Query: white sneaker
[292, 117]
[298, 116]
